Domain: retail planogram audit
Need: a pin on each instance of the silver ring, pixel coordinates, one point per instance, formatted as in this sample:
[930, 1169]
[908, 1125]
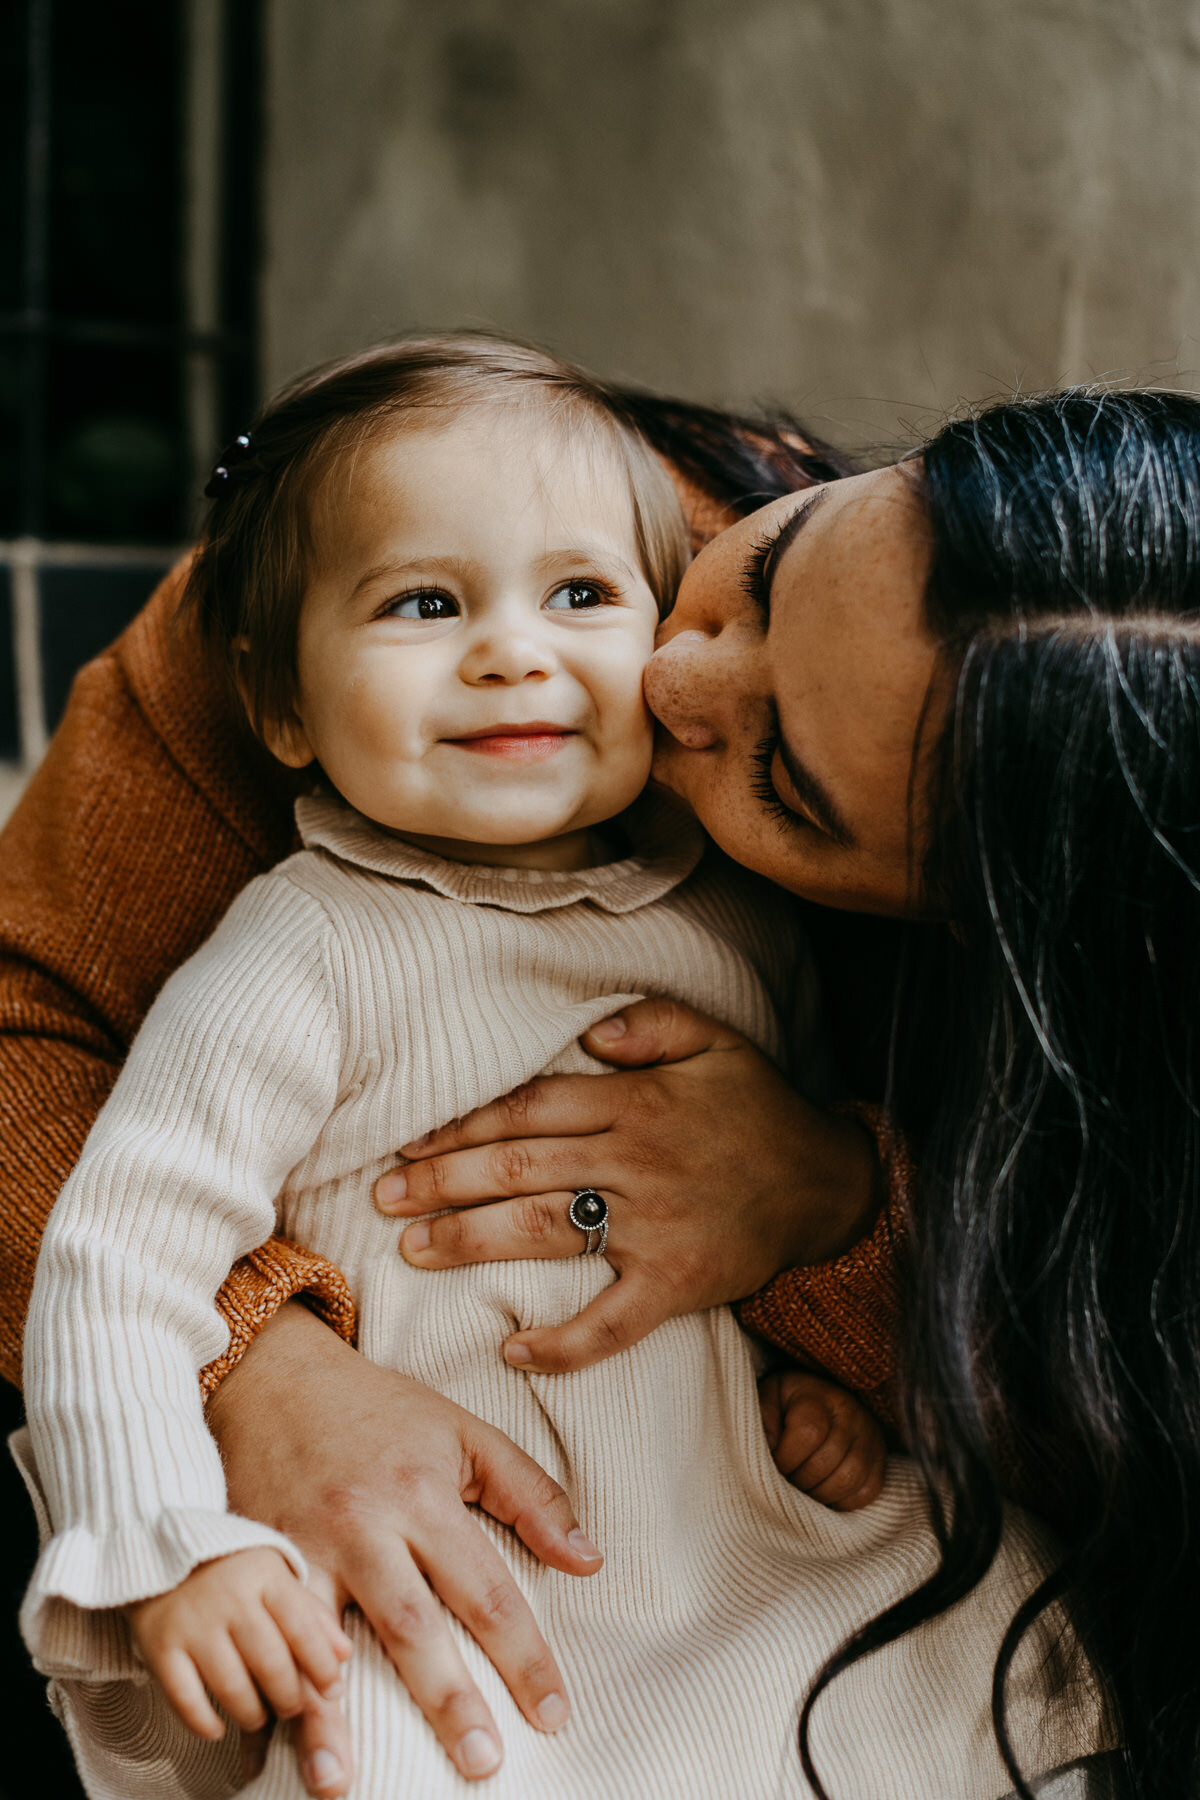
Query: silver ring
[588, 1213]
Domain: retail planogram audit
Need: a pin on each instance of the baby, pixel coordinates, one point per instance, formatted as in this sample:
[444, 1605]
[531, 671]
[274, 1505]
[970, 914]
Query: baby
[436, 570]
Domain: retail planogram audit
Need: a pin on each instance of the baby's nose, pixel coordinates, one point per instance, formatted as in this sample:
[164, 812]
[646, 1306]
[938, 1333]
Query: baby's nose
[501, 660]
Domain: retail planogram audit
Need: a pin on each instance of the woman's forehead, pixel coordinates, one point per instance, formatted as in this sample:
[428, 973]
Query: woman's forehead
[861, 558]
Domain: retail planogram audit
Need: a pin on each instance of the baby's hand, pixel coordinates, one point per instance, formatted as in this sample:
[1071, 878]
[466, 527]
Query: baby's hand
[823, 1439]
[244, 1628]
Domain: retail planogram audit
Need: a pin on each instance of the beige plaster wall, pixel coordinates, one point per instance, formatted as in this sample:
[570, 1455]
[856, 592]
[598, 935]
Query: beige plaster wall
[865, 208]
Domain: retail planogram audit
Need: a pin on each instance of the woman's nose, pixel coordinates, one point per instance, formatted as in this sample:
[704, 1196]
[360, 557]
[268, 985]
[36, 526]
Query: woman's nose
[501, 657]
[690, 684]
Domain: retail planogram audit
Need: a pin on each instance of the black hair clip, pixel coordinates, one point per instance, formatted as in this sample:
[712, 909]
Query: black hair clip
[236, 452]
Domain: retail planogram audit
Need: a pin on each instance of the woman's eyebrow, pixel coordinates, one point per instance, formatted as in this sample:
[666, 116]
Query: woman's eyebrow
[787, 536]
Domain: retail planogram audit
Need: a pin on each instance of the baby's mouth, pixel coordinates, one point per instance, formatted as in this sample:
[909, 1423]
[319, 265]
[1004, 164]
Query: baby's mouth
[516, 743]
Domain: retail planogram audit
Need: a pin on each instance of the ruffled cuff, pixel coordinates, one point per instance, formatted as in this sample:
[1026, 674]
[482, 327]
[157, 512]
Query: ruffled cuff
[843, 1316]
[71, 1619]
[260, 1284]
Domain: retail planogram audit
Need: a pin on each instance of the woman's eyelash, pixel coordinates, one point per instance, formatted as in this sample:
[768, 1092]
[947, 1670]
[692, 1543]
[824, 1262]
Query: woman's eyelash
[753, 577]
[763, 788]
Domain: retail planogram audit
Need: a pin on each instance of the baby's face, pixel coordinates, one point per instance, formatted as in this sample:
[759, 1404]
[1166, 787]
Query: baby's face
[472, 644]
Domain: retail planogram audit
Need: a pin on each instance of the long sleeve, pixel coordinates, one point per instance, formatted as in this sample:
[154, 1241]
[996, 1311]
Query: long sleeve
[150, 812]
[843, 1316]
[226, 1088]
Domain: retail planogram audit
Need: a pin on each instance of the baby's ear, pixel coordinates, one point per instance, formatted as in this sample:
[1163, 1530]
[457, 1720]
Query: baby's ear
[287, 742]
[284, 737]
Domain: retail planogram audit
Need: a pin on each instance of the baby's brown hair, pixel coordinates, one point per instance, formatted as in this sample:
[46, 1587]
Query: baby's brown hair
[256, 553]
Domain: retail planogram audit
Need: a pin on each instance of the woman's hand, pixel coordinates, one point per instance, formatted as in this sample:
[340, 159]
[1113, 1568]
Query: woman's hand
[717, 1176]
[371, 1475]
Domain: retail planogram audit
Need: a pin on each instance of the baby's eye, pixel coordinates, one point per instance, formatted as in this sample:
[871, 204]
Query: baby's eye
[426, 603]
[578, 596]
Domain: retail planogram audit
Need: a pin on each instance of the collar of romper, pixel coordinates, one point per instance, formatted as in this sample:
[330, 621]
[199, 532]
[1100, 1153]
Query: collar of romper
[665, 846]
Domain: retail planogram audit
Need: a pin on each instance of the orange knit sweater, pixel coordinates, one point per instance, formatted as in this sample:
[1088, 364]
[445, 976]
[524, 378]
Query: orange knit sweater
[152, 810]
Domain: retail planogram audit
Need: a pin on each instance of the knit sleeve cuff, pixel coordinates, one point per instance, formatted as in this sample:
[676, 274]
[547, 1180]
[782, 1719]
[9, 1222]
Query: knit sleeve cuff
[72, 1618]
[260, 1284]
[843, 1316]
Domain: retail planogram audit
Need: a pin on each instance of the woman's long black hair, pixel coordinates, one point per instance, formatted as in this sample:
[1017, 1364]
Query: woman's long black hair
[1053, 1329]
[1047, 1051]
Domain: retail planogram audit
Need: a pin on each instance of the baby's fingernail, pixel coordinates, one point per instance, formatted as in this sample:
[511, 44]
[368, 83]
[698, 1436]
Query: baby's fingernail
[391, 1187]
[583, 1546]
[551, 1712]
[417, 1144]
[321, 1768]
[518, 1354]
[477, 1753]
[609, 1030]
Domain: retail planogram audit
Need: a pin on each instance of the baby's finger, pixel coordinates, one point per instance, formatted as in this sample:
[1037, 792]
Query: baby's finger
[180, 1681]
[769, 1407]
[314, 1638]
[823, 1459]
[268, 1658]
[870, 1490]
[861, 1463]
[808, 1434]
[229, 1682]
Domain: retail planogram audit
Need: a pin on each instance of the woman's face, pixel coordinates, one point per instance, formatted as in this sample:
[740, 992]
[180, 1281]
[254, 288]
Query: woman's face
[791, 678]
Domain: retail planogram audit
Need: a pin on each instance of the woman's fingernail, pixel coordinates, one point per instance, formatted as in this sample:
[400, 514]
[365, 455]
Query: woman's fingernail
[391, 1187]
[551, 1712]
[609, 1030]
[417, 1144]
[416, 1239]
[583, 1546]
[322, 1768]
[518, 1354]
[477, 1753]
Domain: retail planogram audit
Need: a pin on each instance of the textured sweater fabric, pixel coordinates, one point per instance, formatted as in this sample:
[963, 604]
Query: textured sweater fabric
[359, 995]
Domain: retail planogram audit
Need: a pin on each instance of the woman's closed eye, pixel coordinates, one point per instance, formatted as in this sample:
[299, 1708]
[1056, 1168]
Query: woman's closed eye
[791, 793]
[762, 782]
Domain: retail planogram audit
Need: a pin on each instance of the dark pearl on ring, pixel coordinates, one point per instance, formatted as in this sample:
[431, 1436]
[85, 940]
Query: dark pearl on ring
[590, 1209]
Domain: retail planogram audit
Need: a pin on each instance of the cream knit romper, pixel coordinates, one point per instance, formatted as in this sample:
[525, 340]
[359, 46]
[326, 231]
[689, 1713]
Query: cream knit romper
[353, 998]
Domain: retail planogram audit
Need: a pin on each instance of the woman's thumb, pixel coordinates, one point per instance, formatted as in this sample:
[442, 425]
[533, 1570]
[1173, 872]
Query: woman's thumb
[656, 1031]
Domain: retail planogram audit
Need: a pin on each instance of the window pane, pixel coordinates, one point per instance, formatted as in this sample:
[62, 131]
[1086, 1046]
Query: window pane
[117, 143]
[116, 462]
[82, 611]
[13, 94]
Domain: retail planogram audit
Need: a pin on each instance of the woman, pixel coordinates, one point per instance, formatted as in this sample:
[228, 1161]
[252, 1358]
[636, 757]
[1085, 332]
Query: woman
[968, 689]
[852, 626]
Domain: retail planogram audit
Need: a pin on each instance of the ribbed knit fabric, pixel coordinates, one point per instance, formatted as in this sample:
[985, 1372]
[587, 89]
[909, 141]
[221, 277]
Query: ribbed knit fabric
[361, 994]
[151, 811]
